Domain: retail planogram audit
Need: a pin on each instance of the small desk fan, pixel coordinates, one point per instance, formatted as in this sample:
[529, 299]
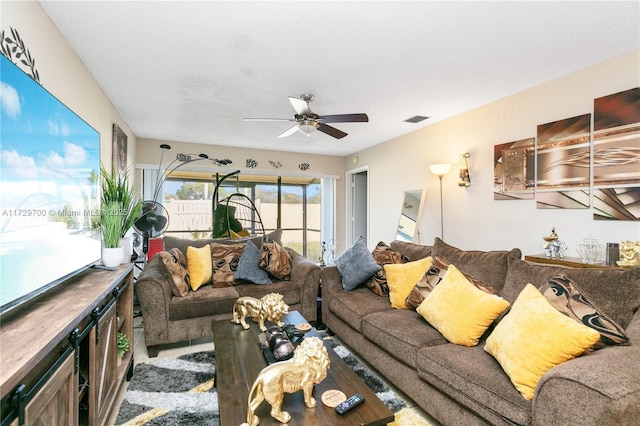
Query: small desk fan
[152, 222]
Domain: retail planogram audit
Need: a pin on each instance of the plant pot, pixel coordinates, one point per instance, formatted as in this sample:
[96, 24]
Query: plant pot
[111, 257]
[127, 248]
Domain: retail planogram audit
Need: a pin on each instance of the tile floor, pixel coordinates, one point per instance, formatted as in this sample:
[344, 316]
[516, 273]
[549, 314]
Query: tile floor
[206, 344]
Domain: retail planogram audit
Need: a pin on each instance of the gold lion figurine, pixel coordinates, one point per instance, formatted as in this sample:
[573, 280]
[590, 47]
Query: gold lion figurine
[307, 368]
[270, 307]
[629, 254]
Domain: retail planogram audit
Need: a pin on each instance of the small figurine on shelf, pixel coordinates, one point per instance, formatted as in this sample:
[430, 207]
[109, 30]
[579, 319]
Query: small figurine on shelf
[323, 250]
[629, 254]
[307, 368]
[270, 307]
[553, 246]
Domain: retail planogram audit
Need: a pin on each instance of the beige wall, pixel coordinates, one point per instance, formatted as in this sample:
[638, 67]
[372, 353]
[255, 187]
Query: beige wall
[473, 219]
[63, 74]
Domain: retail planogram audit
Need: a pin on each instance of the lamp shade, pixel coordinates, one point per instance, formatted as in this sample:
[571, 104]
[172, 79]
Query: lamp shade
[440, 169]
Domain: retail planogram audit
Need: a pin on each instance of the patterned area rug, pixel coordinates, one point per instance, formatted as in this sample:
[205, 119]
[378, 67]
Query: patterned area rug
[181, 391]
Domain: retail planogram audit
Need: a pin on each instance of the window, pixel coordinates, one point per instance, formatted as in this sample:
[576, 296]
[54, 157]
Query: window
[292, 204]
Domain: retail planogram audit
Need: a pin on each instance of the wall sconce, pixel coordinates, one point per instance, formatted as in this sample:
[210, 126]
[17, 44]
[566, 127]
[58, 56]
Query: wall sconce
[440, 170]
[465, 179]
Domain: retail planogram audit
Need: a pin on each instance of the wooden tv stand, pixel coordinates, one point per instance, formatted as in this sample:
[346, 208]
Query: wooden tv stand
[58, 357]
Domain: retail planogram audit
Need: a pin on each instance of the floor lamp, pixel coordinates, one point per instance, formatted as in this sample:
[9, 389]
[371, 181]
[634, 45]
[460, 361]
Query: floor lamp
[440, 170]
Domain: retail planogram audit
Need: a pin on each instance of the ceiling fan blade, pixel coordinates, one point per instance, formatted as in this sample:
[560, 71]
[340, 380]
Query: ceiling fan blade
[345, 118]
[300, 106]
[289, 132]
[268, 119]
[331, 131]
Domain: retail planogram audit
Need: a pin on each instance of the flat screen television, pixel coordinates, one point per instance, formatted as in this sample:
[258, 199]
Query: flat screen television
[49, 187]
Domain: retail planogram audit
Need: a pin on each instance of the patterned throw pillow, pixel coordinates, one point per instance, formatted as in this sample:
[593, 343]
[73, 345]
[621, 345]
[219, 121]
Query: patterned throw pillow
[383, 255]
[176, 264]
[224, 261]
[434, 275]
[566, 297]
[276, 260]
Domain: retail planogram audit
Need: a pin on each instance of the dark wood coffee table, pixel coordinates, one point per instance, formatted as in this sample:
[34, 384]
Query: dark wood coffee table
[239, 359]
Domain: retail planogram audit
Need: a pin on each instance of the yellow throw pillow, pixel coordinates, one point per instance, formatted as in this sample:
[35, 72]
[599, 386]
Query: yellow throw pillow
[199, 266]
[460, 310]
[534, 337]
[402, 277]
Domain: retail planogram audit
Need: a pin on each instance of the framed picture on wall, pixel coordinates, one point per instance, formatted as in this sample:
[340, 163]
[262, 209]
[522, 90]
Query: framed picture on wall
[513, 170]
[119, 149]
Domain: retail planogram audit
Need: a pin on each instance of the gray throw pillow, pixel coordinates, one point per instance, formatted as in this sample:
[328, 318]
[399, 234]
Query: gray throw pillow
[356, 265]
[248, 268]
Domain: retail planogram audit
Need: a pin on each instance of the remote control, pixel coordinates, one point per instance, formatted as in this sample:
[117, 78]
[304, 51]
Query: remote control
[351, 402]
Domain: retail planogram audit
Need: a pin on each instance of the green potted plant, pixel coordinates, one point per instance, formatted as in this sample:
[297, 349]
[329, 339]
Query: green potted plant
[118, 197]
[111, 219]
[122, 344]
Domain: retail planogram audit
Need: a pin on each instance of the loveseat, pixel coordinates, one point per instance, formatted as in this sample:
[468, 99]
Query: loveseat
[465, 385]
[169, 317]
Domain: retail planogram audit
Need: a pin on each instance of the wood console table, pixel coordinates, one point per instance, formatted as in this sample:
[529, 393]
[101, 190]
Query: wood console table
[58, 356]
[573, 262]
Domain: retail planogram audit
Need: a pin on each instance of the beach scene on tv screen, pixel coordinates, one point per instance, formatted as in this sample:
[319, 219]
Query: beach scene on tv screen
[49, 180]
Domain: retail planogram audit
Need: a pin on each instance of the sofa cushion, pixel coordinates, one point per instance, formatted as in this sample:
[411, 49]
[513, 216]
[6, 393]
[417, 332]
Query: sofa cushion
[400, 332]
[383, 255]
[412, 251]
[290, 291]
[534, 337]
[490, 267]
[614, 291]
[566, 296]
[459, 310]
[474, 378]
[204, 302]
[356, 265]
[224, 260]
[248, 268]
[352, 306]
[402, 278]
[199, 266]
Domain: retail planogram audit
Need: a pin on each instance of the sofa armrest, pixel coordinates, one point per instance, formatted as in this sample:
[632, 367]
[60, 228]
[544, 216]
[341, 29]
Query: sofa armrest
[153, 289]
[331, 280]
[601, 388]
[306, 274]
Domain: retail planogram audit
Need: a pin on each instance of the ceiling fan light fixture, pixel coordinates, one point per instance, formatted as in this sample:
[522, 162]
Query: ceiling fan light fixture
[307, 126]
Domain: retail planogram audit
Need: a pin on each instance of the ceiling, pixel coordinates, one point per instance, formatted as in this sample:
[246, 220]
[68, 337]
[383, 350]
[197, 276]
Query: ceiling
[192, 70]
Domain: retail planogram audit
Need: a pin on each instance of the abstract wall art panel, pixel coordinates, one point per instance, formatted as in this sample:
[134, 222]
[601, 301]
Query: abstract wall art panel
[616, 204]
[563, 158]
[570, 199]
[513, 170]
[616, 139]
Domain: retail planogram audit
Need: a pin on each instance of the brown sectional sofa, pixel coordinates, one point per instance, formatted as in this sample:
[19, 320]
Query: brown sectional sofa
[461, 385]
[168, 318]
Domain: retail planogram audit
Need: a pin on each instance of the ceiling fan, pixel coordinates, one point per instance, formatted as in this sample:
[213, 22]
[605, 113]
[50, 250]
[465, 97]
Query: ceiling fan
[308, 122]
